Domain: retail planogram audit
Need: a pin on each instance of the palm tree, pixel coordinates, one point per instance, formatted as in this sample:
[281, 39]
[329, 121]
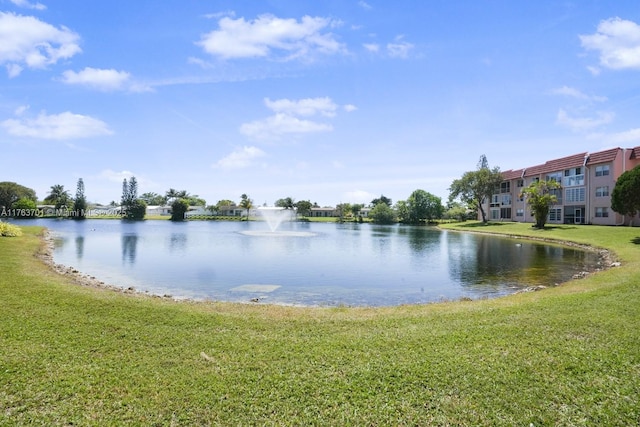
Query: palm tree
[58, 196]
[246, 203]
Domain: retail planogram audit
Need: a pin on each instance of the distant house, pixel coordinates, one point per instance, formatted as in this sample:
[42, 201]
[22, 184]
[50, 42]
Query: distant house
[586, 179]
[324, 212]
[158, 210]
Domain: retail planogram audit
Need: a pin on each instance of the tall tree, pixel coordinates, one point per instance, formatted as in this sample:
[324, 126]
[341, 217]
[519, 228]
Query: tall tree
[381, 213]
[154, 199]
[477, 186]
[381, 199]
[625, 197]
[540, 197]
[424, 206]
[303, 207]
[246, 203]
[133, 207]
[287, 203]
[80, 201]
[178, 209]
[58, 196]
[10, 192]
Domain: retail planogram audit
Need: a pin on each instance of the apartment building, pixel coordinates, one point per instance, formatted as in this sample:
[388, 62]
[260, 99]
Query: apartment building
[586, 179]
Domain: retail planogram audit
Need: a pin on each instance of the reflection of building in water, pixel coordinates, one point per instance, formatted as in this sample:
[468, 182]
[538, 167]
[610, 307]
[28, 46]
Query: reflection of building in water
[129, 245]
[79, 247]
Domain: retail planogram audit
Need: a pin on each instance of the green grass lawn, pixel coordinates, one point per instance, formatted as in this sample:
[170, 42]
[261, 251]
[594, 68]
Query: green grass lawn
[567, 355]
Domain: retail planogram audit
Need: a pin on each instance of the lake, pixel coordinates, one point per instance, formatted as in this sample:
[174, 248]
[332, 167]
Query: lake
[308, 263]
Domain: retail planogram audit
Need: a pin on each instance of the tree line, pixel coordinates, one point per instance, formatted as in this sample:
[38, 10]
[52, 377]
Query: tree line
[467, 196]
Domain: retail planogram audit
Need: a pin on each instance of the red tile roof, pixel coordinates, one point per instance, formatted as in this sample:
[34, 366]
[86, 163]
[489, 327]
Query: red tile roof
[512, 174]
[557, 165]
[573, 161]
[603, 156]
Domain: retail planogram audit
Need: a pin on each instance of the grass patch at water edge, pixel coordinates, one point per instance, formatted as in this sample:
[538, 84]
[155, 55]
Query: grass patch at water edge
[568, 355]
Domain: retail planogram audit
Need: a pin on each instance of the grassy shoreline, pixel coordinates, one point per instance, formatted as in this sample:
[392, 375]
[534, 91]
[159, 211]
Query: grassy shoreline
[568, 355]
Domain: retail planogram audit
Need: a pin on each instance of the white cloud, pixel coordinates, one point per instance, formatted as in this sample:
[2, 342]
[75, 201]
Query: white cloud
[114, 176]
[26, 41]
[372, 47]
[349, 108]
[580, 124]
[575, 93]
[303, 107]
[618, 43]
[267, 34]
[399, 49]
[240, 158]
[281, 124]
[358, 196]
[286, 119]
[63, 126]
[364, 5]
[28, 5]
[631, 136]
[101, 79]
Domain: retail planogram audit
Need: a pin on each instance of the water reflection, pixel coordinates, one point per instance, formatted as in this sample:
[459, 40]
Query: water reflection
[129, 247]
[177, 242]
[79, 247]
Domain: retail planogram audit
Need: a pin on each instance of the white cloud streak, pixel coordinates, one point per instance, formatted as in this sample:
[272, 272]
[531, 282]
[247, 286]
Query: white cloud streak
[575, 93]
[63, 126]
[618, 43]
[101, 79]
[239, 159]
[269, 35]
[28, 5]
[582, 124]
[25, 41]
[290, 118]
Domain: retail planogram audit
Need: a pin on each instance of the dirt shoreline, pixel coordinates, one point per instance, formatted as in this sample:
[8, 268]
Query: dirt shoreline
[45, 254]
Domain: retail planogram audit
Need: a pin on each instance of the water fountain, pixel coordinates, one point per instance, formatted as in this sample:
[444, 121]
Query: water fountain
[274, 217]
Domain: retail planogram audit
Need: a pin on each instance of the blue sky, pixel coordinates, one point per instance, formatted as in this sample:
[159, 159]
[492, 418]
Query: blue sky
[328, 101]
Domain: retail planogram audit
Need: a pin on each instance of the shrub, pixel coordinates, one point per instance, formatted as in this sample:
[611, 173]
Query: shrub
[9, 230]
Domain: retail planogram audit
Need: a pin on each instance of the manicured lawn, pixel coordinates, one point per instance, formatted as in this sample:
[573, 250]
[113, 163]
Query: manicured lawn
[568, 355]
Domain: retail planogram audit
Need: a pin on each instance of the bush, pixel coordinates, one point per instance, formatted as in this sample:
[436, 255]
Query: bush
[9, 230]
[178, 208]
[24, 208]
[137, 209]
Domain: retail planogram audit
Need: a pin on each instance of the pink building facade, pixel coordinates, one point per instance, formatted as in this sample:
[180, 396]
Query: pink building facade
[586, 179]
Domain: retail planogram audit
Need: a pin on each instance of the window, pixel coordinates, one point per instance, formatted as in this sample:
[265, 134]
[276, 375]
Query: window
[572, 195]
[557, 177]
[505, 213]
[495, 213]
[573, 177]
[505, 187]
[602, 212]
[506, 199]
[519, 212]
[555, 214]
[602, 170]
[520, 183]
[602, 191]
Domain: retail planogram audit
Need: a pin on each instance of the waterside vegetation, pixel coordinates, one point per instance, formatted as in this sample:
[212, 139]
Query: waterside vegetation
[567, 355]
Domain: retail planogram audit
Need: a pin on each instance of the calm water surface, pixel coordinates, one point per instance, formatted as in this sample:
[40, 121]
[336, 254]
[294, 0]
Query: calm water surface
[324, 264]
